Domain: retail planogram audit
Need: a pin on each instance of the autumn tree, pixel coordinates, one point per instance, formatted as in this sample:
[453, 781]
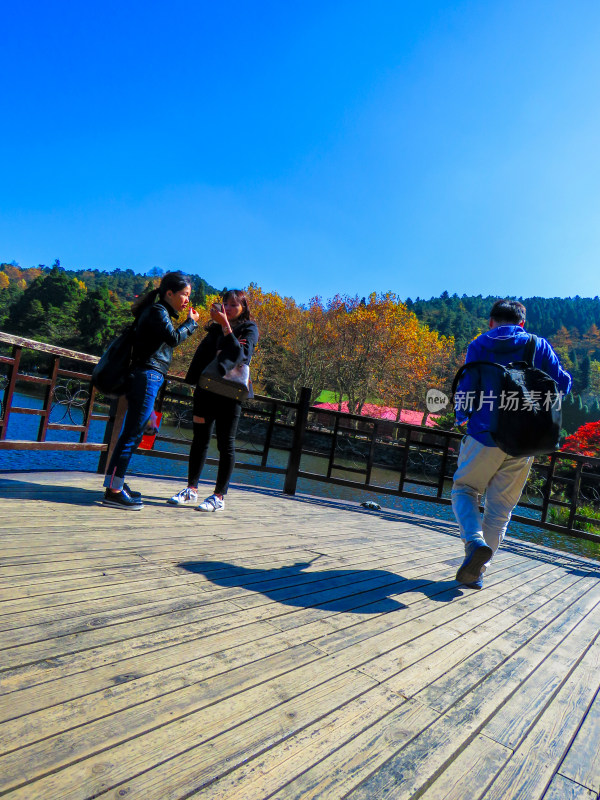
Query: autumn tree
[591, 339]
[365, 350]
[417, 358]
[354, 342]
[562, 339]
[585, 441]
[290, 349]
[379, 351]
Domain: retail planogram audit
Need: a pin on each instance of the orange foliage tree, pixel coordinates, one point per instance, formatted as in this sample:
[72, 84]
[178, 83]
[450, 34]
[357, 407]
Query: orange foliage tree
[371, 350]
[591, 339]
[290, 351]
[21, 277]
[379, 351]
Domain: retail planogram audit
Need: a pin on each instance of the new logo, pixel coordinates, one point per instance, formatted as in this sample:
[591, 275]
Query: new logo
[436, 401]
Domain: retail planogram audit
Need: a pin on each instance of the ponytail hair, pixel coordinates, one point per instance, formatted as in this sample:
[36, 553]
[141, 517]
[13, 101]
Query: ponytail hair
[173, 281]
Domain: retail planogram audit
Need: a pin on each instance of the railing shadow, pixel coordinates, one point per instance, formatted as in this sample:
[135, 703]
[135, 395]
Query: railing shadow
[13, 489]
[30, 490]
[560, 558]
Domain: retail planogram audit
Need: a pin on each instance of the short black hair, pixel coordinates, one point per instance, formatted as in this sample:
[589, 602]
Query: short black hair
[509, 311]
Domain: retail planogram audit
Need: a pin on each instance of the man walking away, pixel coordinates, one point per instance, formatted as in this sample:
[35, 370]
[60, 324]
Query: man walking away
[482, 466]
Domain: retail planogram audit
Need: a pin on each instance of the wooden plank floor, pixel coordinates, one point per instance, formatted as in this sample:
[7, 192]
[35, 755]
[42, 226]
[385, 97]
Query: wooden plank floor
[287, 648]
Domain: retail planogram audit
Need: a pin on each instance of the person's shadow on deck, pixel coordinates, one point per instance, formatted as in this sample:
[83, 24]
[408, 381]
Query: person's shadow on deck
[368, 591]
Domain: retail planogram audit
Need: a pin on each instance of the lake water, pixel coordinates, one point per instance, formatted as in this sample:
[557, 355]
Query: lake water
[24, 426]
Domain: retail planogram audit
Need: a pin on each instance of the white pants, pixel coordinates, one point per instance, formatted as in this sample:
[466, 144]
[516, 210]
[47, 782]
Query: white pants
[501, 477]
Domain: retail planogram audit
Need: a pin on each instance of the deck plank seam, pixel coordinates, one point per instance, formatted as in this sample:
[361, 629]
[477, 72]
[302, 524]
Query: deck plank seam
[327, 636]
[183, 624]
[194, 746]
[526, 734]
[283, 647]
[465, 743]
[258, 752]
[290, 669]
[473, 653]
[537, 633]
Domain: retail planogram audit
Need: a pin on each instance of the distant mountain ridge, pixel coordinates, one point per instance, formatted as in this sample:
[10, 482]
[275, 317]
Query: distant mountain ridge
[81, 309]
[465, 316]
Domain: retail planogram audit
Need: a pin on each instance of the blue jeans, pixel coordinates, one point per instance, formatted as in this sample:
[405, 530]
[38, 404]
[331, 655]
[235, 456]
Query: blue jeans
[141, 396]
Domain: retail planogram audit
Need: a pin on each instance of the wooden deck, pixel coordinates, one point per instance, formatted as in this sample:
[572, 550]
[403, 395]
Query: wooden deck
[288, 648]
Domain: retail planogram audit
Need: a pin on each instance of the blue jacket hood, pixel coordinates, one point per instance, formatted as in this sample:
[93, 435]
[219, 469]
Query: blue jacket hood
[505, 340]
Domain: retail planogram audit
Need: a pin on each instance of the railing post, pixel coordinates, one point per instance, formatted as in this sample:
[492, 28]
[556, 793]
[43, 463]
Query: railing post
[293, 467]
[13, 371]
[116, 413]
[547, 490]
[575, 496]
[49, 393]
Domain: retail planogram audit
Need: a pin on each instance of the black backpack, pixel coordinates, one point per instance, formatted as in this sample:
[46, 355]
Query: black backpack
[527, 419]
[110, 375]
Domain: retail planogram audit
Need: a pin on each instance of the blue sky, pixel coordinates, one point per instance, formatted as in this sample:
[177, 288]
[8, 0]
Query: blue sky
[312, 148]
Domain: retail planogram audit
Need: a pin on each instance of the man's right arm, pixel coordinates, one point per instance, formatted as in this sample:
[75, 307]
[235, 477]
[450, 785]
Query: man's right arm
[546, 359]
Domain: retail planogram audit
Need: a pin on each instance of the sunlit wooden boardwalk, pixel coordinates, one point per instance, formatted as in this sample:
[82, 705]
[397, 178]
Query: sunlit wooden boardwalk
[289, 648]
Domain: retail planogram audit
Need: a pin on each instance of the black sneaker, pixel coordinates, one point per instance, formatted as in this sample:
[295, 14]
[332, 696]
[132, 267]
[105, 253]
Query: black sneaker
[132, 494]
[121, 500]
[476, 555]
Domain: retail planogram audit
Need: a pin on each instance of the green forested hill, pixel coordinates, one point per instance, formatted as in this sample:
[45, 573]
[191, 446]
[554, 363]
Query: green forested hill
[571, 325]
[464, 317]
[80, 309]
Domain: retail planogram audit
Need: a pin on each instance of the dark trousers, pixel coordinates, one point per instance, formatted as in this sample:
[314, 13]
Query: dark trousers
[224, 414]
[141, 396]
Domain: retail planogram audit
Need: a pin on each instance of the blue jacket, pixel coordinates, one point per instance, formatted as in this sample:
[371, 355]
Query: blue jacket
[502, 345]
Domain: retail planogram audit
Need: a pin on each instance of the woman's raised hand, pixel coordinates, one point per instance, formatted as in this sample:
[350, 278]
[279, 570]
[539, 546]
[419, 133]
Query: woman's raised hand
[193, 314]
[218, 315]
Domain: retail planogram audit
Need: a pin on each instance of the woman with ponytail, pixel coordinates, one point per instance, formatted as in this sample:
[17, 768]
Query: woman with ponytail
[155, 338]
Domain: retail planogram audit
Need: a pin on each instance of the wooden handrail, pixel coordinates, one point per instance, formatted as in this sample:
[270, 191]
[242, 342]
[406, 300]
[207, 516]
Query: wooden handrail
[33, 344]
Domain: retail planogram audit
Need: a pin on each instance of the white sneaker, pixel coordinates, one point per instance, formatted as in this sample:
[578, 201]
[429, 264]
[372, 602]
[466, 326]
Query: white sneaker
[212, 503]
[188, 495]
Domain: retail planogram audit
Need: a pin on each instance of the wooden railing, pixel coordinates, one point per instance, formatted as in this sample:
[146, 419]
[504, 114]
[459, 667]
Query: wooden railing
[14, 375]
[294, 440]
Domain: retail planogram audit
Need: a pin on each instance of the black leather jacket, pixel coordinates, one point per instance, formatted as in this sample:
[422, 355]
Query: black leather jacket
[155, 337]
[230, 351]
